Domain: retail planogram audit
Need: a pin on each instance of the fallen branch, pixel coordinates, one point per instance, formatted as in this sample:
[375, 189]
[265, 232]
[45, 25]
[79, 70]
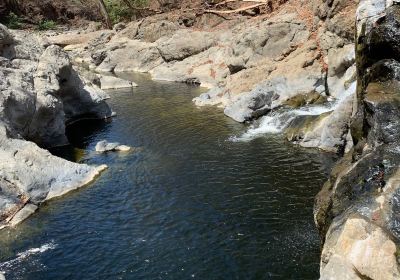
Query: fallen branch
[231, 1]
[235, 11]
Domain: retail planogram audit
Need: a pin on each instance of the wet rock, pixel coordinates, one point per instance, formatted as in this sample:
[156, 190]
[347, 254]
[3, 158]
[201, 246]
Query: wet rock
[104, 146]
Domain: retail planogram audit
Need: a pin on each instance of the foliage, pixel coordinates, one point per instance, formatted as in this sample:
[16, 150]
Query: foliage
[120, 10]
[46, 25]
[13, 21]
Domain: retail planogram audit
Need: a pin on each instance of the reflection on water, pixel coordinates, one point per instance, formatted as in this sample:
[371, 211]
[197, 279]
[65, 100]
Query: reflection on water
[189, 204]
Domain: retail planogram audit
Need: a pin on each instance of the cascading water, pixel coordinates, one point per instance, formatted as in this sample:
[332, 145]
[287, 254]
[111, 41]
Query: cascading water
[278, 120]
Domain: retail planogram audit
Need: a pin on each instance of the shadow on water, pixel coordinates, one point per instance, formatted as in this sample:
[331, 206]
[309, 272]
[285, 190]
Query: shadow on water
[188, 204]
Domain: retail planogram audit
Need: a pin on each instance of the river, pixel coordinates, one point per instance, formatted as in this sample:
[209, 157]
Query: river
[188, 203]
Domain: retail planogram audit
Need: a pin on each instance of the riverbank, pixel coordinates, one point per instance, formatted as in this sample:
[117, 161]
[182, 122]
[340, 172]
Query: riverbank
[295, 71]
[40, 93]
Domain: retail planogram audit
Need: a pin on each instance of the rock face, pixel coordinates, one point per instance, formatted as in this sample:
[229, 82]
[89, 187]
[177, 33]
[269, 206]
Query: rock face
[39, 93]
[357, 210]
[253, 68]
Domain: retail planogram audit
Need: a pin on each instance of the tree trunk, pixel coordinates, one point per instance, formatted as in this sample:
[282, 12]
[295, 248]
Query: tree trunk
[103, 10]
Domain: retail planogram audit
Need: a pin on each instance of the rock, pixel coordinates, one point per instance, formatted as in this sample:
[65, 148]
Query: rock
[23, 214]
[35, 175]
[360, 249]
[39, 92]
[152, 29]
[78, 39]
[355, 210]
[185, 43]
[110, 82]
[134, 56]
[119, 26]
[5, 36]
[129, 32]
[104, 146]
[62, 97]
[207, 68]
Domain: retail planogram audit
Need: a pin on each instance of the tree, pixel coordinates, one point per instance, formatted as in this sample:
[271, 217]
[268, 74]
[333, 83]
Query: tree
[103, 10]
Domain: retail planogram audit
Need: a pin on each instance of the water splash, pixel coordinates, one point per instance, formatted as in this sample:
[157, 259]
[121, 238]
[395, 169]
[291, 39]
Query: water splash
[23, 256]
[277, 121]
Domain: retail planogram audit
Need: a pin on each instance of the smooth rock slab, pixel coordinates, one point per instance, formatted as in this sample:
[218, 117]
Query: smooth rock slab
[104, 146]
[23, 214]
[110, 82]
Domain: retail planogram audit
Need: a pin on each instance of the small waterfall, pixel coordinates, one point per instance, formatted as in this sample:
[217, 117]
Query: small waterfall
[277, 121]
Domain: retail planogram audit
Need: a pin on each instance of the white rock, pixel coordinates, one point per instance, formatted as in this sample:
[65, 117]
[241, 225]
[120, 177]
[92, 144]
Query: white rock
[110, 82]
[104, 146]
[22, 214]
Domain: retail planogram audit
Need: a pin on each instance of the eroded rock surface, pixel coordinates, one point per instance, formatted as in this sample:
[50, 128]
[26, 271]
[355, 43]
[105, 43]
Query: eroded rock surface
[357, 210]
[252, 68]
[40, 92]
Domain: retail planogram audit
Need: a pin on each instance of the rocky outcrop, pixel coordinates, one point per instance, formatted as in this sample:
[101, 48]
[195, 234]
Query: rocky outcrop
[357, 209]
[40, 92]
[253, 68]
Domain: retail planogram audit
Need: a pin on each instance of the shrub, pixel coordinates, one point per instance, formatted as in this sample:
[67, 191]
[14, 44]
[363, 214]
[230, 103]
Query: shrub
[119, 10]
[13, 21]
[46, 25]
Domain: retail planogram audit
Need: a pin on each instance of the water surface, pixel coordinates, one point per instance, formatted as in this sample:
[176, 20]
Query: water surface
[188, 204]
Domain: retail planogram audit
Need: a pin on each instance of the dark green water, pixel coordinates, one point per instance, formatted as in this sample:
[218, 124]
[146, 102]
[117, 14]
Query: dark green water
[190, 204]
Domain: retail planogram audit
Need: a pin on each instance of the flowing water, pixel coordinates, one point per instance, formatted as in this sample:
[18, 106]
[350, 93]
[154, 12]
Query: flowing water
[187, 204]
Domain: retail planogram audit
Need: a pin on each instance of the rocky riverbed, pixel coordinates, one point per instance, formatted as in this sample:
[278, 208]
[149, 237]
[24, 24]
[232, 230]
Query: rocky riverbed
[298, 69]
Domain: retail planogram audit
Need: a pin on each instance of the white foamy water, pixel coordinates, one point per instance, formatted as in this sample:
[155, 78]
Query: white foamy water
[277, 121]
[23, 256]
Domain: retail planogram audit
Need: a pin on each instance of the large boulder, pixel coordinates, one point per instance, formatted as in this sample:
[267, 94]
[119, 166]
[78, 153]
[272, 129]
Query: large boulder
[185, 43]
[133, 55]
[39, 93]
[62, 97]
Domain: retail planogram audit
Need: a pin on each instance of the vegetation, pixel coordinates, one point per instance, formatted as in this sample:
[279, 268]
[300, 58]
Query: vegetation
[13, 21]
[120, 10]
[46, 25]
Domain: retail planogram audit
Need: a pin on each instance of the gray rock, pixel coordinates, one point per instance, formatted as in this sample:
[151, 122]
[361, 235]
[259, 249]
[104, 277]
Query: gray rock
[133, 56]
[62, 97]
[23, 214]
[5, 36]
[185, 43]
[110, 82]
[355, 211]
[104, 146]
[39, 93]
[150, 30]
